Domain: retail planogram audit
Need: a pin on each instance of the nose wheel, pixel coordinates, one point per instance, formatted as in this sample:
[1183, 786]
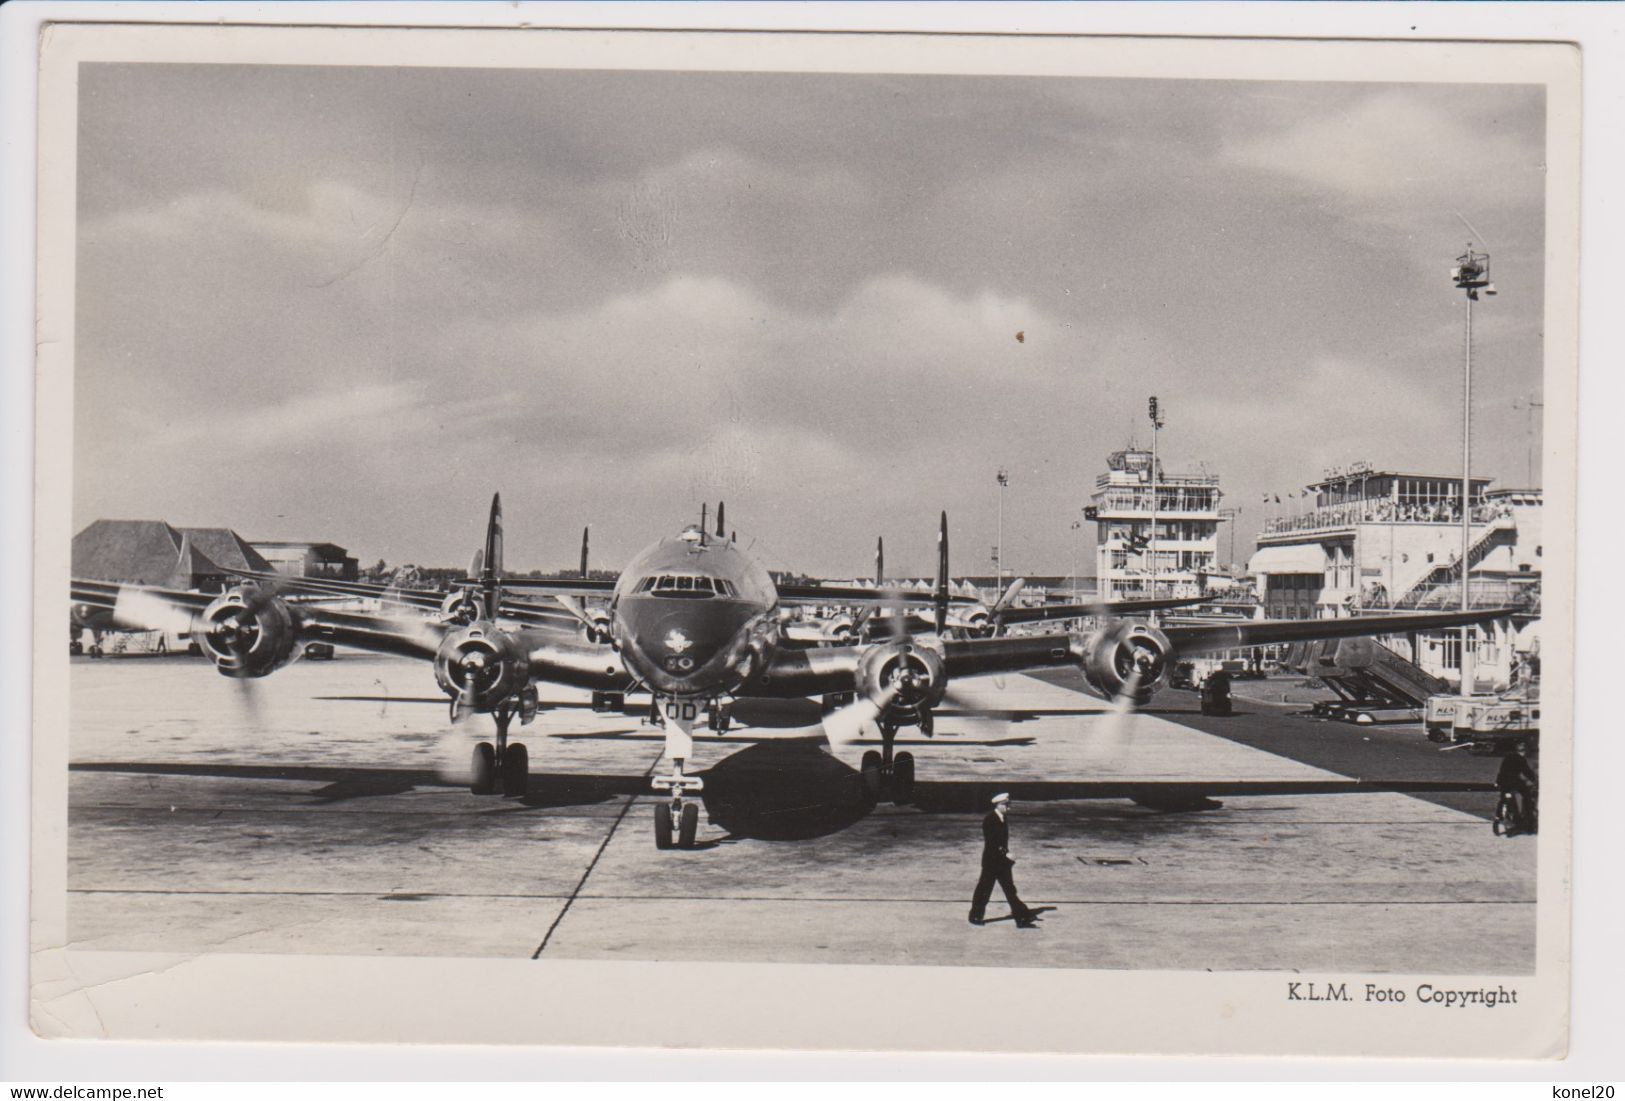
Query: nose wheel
[887, 775]
[504, 766]
[677, 821]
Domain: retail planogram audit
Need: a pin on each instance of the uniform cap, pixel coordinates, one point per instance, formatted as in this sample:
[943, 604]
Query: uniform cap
[1002, 797]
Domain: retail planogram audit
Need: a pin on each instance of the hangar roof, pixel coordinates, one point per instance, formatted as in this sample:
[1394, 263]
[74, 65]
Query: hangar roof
[226, 547]
[147, 552]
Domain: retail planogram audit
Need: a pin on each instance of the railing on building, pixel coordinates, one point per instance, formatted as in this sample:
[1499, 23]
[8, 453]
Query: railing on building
[1334, 517]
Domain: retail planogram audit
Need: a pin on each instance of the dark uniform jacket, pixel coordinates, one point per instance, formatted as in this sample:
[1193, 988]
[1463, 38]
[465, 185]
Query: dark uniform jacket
[1515, 774]
[995, 841]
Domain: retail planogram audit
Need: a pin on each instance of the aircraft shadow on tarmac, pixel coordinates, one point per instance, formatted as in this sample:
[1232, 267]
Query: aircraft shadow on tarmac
[342, 782]
[784, 789]
[790, 714]
[790, 789]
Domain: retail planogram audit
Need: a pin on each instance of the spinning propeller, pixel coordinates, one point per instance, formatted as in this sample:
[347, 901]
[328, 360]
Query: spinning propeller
[899, 675]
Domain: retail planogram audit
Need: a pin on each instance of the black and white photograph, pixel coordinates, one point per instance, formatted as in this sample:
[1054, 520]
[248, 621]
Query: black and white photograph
[904, 515]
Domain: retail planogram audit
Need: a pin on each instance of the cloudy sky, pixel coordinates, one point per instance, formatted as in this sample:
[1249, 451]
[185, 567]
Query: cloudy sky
[349, 304]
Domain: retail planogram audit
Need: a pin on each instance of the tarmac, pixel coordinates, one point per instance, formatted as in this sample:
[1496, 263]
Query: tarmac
[325, 810]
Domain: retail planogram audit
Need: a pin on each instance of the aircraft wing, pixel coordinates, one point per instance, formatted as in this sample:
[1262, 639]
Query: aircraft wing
[424, 600]
[552, 657]
[853, 594]
[971, 657]
[1201, 638]
[171, 609]
[557, 586]
[1041, 612]
[975, 656]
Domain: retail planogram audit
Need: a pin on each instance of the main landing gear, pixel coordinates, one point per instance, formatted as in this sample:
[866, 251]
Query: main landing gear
[889, 776]
[719, 717]
[677, 817]
[501, 765]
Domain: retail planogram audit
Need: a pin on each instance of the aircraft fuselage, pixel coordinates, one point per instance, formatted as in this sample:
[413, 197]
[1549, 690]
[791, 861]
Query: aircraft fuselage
[695, 617]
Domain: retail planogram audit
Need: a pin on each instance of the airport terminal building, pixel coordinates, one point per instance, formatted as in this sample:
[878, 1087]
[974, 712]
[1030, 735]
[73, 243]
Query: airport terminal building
[1374, 540]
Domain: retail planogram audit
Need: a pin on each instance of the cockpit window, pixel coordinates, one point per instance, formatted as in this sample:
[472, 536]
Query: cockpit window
[688, 587]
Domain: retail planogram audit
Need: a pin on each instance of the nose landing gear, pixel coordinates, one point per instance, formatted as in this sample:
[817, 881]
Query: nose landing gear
[677, 816]
[719, 717]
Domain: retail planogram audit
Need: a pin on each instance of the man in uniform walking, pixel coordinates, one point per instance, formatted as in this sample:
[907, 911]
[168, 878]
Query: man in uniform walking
[996, 865]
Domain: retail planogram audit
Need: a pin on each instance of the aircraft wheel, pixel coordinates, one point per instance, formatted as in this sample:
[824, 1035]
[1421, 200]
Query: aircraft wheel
[1502, 824]
[662, 825]
[872, 778]
[902, 778]
[516, 770]
[721, 720]
[483, 769]
[689, 826]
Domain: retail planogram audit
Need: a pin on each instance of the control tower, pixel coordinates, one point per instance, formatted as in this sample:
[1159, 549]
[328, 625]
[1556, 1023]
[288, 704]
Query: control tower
[1128, 499]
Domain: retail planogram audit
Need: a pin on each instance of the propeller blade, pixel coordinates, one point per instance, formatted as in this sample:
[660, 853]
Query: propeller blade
[880, 561]
[493, 538]
[248, 699]
[463, 706]
[151, 612]
[573, 606]
[1008, 597]
[720, 528]
[845, 725]
[940, 599]
[1119, 719]
[584, 533]
[491, 573]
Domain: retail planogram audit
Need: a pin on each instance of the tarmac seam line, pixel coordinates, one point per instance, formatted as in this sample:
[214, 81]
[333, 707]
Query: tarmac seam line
[593, 863]
[424, 896]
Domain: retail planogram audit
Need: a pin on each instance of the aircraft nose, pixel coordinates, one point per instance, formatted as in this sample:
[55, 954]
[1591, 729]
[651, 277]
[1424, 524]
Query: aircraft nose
[680, 642]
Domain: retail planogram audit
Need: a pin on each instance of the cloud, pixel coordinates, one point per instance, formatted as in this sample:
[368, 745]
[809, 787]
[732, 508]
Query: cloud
[611, 295]
[1398, 143]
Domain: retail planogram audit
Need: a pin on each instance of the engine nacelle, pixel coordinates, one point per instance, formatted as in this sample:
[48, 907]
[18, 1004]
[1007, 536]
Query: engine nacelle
[1129, 651]
[248, 633]
[492, 660]
[909, 676]
[460, 606]
[599, 628]
[977, 623]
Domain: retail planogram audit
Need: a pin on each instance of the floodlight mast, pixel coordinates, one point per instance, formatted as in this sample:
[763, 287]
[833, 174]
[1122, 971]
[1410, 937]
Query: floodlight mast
[998, 547]
[1472, 275]
[1154, 409]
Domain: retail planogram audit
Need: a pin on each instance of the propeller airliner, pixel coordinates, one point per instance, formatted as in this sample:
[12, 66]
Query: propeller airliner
[697, 621]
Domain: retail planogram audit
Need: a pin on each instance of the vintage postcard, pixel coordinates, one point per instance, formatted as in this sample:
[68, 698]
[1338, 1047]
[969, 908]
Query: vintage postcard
[796, 540]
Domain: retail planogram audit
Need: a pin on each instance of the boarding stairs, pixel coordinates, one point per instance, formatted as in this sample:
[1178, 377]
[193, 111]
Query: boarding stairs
[1373, 684]
[1486, 592]
[1419, 594]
